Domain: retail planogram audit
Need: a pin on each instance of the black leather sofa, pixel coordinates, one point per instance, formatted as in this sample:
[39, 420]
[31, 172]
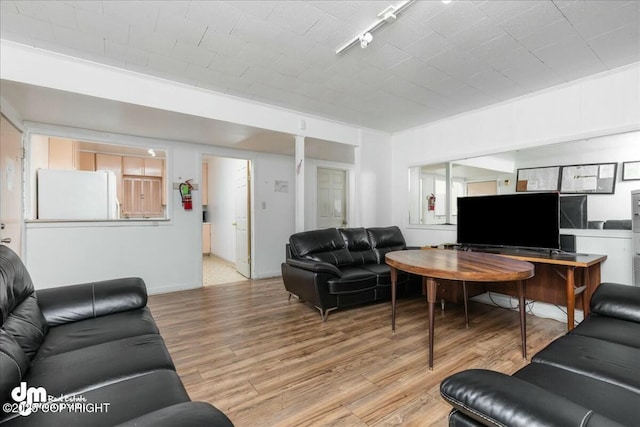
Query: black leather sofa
[333, 268]
[94, 349]
[588, 377]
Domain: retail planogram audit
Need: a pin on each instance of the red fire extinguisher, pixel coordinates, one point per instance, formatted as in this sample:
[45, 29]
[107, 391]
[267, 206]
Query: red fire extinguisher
[432, 202]
[185, 192]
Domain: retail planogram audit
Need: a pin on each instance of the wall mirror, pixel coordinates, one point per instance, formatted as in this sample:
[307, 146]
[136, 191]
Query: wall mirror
[434, 188]
[78, 180]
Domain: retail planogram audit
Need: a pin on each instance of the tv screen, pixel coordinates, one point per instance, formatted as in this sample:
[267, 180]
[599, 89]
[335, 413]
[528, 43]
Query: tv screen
[573, 211]
[529, 220]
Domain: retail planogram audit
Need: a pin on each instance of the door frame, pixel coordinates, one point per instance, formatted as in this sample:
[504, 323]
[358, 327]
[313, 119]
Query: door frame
[311, 214]
[251, 206]
[11, 116]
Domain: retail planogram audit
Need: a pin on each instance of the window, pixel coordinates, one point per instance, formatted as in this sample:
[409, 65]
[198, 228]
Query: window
[73, 180]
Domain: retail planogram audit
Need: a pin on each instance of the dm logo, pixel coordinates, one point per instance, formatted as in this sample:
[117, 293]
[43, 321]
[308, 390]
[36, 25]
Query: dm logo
[27, 396]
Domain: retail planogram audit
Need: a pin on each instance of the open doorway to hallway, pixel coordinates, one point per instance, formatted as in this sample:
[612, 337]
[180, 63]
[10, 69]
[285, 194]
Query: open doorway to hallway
[226, 216]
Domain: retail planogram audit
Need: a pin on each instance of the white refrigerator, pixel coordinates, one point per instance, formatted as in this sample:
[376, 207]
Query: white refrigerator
[77, 195]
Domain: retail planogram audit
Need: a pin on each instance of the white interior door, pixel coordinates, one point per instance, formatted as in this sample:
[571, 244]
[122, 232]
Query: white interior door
[332, 200]
[243, 223]
[10, 186]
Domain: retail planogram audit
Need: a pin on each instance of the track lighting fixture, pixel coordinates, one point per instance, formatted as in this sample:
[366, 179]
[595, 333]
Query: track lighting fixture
[365, 37]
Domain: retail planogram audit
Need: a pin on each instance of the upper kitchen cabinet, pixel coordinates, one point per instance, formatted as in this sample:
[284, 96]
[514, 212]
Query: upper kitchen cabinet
[142, 166]
[61, 154]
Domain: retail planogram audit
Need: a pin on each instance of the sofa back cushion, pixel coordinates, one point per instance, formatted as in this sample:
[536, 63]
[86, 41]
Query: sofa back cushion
[21, 316]
[357, 241]
[13, 364]
[386, 239]
[324, 245]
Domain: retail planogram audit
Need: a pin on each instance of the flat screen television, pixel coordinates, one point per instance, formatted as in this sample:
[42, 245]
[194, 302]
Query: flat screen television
[573, 211]
[526, 220]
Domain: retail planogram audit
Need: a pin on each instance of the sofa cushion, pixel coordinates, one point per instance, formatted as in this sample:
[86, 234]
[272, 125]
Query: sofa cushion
[27, 325]
[602, 397]
[187, 414]
[602, 360]
[619, 301]
[127, 399]
[321, 245]
[357, 241]
[21, 316]
[14, 364]
[609, 329]
[90, 367]
[98, 330]
[386, 239]
[88, 300]
[354, 279]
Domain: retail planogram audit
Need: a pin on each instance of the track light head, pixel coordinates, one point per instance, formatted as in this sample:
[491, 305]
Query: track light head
[365, 39]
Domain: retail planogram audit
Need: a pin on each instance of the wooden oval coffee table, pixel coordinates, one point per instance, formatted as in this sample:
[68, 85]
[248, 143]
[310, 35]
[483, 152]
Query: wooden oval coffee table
[433, 264]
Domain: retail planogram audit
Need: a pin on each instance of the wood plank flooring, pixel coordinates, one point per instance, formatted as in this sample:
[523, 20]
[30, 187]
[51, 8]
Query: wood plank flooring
[267, 361]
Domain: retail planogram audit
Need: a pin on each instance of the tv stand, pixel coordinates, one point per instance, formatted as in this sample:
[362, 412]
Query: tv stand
[557, 273]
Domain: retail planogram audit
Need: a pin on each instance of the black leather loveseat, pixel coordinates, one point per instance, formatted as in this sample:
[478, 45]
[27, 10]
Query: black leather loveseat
[588, 377]
[92, 353]
[333, 268]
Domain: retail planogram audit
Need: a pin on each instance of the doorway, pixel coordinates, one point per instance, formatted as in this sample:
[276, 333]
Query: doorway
[10, 185]
[332, 199]
[226, 240]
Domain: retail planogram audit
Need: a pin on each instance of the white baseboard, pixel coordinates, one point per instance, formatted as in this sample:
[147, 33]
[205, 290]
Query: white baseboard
[537, 308]
[172, 288]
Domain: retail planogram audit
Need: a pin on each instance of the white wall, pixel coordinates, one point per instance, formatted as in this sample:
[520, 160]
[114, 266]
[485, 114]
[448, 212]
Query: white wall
[374, 160]
[601, 105]
[616, 148]
[271, 215]
[166, 254]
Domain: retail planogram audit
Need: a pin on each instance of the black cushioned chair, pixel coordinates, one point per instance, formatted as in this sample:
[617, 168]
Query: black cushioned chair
[333, 268]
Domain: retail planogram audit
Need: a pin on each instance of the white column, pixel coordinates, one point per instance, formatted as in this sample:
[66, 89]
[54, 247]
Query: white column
[299, 199]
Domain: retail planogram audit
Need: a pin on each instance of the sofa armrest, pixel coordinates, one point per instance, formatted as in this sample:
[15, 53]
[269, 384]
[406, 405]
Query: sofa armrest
[618, 301]
[188, 414]
[493, 398]
[88, 300]
[314, 266]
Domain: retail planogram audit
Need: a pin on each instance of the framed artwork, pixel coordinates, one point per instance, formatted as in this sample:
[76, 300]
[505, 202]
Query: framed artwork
[630, 171]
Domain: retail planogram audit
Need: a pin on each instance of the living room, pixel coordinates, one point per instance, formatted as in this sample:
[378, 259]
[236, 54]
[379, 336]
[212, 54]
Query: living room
[48, 90]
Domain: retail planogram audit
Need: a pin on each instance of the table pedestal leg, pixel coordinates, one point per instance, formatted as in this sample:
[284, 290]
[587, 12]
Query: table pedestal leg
[523, 318]
[431, 299]
[394, 279]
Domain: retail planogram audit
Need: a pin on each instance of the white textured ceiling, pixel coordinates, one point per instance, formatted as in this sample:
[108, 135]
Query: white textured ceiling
[435, 60]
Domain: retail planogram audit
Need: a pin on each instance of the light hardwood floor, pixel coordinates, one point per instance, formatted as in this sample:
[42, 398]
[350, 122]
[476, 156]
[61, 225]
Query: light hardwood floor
[267, 361]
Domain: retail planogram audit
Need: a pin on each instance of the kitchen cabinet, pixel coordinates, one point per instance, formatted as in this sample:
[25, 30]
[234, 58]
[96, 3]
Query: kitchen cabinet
[86, 161]
[142, 197]
[61, 153]
[142, 166]
[206, 238]
[204, 187]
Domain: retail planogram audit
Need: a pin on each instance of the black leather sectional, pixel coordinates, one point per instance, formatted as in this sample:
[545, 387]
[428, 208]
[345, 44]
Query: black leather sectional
[588, 377]
[333, 268]
[95, 349]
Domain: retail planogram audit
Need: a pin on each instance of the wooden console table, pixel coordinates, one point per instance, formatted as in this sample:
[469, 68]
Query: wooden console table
[590, 265]
[461, 266]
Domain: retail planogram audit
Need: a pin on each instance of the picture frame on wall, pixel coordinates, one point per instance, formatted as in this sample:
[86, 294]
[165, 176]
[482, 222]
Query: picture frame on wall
[592, 178]
[631, 170]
